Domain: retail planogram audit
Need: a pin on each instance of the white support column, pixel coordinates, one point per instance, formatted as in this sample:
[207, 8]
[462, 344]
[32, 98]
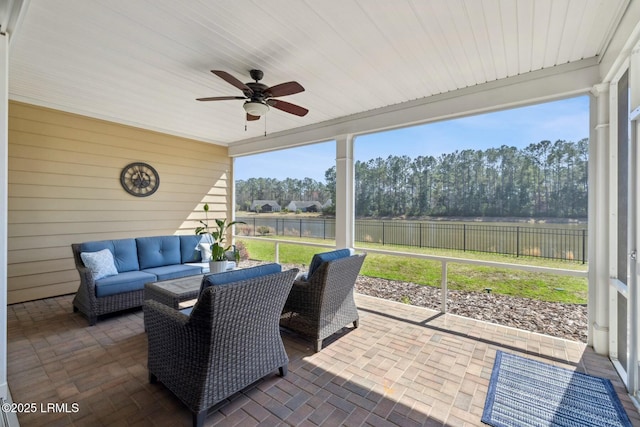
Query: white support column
[345, 208]
[599, 190]
[4, 144]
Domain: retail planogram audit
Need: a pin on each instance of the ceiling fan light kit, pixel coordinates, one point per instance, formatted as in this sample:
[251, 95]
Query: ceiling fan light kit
[254, 108]
[259, 97]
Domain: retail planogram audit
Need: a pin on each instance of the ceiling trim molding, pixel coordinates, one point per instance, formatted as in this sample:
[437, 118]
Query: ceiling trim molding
[625, 38]
[11, 16]
[562, 81]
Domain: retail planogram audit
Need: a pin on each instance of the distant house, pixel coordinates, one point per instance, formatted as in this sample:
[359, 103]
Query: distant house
[265, 206]
[327, 204]
[304, 206]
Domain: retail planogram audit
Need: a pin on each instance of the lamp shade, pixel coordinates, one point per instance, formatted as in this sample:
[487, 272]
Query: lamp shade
[255, 108]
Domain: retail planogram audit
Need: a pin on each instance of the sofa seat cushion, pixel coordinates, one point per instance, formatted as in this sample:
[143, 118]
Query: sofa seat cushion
[158, 251]
[239, 275]
[125, 253]
[123, 282]
[323, 257]
[168, 272]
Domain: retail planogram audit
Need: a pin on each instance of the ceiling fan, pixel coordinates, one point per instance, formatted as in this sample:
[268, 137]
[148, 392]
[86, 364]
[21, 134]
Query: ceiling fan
[259, 97]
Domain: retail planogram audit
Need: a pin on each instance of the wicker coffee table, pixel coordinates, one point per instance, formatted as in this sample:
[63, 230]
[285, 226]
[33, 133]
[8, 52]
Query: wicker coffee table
[177, 293]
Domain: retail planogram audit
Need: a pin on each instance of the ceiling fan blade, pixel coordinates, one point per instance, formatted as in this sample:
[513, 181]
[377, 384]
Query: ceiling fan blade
[232, 80]
[288, 107]
[252, 118]
[220, 98]
[283, 89]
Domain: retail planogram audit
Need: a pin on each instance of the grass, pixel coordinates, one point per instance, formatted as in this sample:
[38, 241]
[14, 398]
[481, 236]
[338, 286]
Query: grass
[464, 277]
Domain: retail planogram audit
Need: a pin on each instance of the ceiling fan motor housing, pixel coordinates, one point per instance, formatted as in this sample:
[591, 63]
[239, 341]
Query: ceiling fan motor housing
[256, 75]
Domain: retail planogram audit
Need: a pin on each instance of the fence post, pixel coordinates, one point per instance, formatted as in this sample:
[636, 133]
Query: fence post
[300, 229]
[420, 234]
[254, 226]
[518, 241]
[382, 233]
[584, 245]
[464, 237]
[324, 229]
[443, 288]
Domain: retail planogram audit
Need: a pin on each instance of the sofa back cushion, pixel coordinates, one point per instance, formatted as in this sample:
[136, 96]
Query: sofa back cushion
[124, 251]
[158, 251]
[189, 251]
[320, 258]
[239, 275]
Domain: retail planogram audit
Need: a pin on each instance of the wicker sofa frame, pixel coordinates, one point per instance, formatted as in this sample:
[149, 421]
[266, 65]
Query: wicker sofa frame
[323, 304]
[230, 340]
[89, 304]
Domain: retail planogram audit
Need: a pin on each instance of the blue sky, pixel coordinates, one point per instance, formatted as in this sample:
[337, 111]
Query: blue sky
[566, 119]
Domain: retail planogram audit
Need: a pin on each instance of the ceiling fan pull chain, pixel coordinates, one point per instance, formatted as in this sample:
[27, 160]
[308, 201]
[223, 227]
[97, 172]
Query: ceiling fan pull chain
[265, 125]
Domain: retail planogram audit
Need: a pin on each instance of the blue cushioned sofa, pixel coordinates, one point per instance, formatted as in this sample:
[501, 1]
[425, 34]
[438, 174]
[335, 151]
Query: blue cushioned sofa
[137, 261]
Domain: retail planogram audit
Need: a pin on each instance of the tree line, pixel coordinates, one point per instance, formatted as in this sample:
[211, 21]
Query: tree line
[544, 179]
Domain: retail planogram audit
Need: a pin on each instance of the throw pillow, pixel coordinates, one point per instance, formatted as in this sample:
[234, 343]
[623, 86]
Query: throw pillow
[205, 251]
[100, 263]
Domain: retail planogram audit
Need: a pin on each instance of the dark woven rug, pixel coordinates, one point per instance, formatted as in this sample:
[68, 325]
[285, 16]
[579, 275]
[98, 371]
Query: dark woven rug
[525, 392]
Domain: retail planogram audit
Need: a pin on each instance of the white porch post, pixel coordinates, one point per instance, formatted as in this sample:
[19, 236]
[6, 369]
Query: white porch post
[344, 192]
[4, 144]
[599, 190]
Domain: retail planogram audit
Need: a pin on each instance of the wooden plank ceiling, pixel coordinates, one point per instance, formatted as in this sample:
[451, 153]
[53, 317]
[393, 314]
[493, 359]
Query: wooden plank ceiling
[144, 62]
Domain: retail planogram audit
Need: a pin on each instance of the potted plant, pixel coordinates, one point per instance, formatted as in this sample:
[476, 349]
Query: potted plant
[218, 233]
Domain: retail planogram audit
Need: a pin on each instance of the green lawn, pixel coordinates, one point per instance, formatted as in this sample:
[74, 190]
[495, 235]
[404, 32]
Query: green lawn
[465, 277]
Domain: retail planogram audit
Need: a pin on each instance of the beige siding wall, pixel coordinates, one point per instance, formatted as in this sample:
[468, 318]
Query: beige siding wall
[64, 187]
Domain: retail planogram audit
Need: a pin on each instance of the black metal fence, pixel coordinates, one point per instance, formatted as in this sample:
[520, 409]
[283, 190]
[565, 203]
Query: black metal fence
[559, 242]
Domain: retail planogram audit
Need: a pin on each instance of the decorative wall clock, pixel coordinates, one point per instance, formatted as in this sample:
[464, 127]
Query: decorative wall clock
[139, 179]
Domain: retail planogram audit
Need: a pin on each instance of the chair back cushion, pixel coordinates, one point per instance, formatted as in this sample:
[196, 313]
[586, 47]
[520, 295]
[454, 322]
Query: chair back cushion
[158, 251]
[320, 258]
[125, 254]
[238, 275]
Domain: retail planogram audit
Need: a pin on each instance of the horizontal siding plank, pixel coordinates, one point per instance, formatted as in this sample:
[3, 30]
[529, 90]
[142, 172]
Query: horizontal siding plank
[44, 291]
[89, 205]
[97, 217]
[115, 194]
[42, 279]
[42, 267]
[170, 183]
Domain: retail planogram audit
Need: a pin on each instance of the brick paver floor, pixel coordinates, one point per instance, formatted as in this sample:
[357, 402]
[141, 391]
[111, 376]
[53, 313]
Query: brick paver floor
[404, 366]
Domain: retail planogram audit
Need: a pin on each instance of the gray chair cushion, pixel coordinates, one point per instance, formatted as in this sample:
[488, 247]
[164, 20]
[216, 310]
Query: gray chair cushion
[318, 259]
[239, 275]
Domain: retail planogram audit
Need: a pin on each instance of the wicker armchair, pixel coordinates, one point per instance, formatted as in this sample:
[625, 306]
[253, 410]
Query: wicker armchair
[230, 340]
[323, 304]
